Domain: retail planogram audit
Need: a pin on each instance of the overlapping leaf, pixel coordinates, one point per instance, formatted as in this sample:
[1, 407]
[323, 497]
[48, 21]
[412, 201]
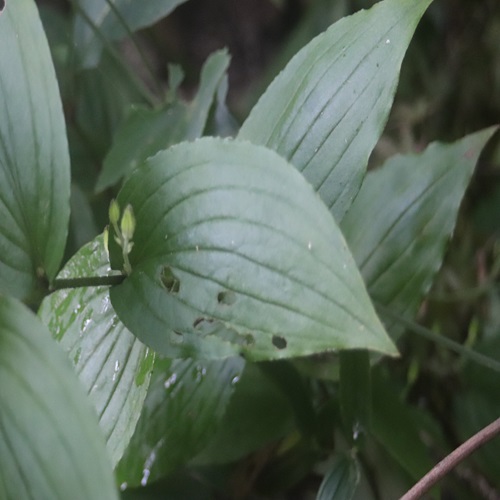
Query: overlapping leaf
[112, 20]
[113, 366]
[50, 443]
[341, 481]
[403, 216]
[326, 110]
[34, 162]
[235, 253]
[144, 132]
[185, 404]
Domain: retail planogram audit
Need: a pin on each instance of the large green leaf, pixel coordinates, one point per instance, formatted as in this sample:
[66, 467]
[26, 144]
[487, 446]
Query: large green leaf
[403, 216]
[113, 366]
[144, 131]
[235, 253]
[50, 444]
[185, 404]
[341, 480]
[34, 162]
[326, 110]
[258, 414]
[394, 426]
[113, 20]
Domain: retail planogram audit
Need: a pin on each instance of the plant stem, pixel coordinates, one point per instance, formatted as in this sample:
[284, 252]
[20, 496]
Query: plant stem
[451, 460]
[88, 281]
[440, 339]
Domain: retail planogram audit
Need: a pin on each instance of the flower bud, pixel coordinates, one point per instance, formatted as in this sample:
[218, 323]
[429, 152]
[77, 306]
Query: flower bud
[128, 223]
[114, 212]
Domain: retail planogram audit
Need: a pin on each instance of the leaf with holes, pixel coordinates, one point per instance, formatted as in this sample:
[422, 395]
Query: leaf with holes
[50, 443]
[326, 110]
[235, 253]
[109, 20]
[403, 217]
[185, 404]
[113, 366]
[34, 162]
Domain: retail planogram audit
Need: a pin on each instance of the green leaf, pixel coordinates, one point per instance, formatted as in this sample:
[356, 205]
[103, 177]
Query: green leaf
[403, 217]
[257, 415]
[341, 481]
[50, 444]
[235, 253]
[326, 110]
[390, 413]
[355, 392]
[113, 20]
[144, 132]
[113, 366]
[34, 162]
[184, 405]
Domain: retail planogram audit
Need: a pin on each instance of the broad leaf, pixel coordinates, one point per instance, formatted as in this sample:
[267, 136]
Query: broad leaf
[326, 110]
[403, 217]
[50, 444]
[184, 406]
[34, 163]
[341, 481]
[113, 20]
[113, 366]
[258, 414]
[355, 392]
[235, 253]
[394, 427]
[144, 132]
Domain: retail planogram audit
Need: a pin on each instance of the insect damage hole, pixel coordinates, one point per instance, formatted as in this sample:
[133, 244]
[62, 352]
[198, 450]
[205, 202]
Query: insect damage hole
[226, 298]
[279, 342]
[169, 280]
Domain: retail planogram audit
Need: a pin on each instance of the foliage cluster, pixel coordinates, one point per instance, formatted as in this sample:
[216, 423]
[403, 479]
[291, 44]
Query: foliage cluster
[245, 326]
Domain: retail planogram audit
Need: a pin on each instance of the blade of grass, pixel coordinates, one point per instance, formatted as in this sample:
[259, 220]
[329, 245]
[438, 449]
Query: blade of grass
[439, 339]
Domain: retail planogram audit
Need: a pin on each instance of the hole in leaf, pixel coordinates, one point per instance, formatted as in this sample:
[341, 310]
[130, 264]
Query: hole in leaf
[169, 280]
[199, 322]
[248, 340]
[176, 337]
[227, 298]
[279, 342]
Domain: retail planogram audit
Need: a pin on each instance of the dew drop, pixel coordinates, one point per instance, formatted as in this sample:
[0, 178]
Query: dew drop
[170, 381]
[145, 477]
[309, 245]
[388, 41]
[235, 380]
[123, 486]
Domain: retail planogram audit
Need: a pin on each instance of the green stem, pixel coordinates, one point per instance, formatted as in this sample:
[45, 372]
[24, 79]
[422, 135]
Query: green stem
[439, 339]
[87, 281]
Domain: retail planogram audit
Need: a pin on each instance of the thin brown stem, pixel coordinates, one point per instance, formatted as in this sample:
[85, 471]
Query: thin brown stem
[452, 460]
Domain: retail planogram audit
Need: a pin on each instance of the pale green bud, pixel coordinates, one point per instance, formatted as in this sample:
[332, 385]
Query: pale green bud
[114, 212]
[105, 236]
[128, 223]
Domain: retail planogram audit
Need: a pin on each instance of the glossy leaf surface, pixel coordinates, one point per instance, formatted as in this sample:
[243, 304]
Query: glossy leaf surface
[326, 110]
[235, 253]
[113, 366]
[183, 408]
[50, 443]
[403, 217]
[34, 162]
[112, 20]
[144, 132]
